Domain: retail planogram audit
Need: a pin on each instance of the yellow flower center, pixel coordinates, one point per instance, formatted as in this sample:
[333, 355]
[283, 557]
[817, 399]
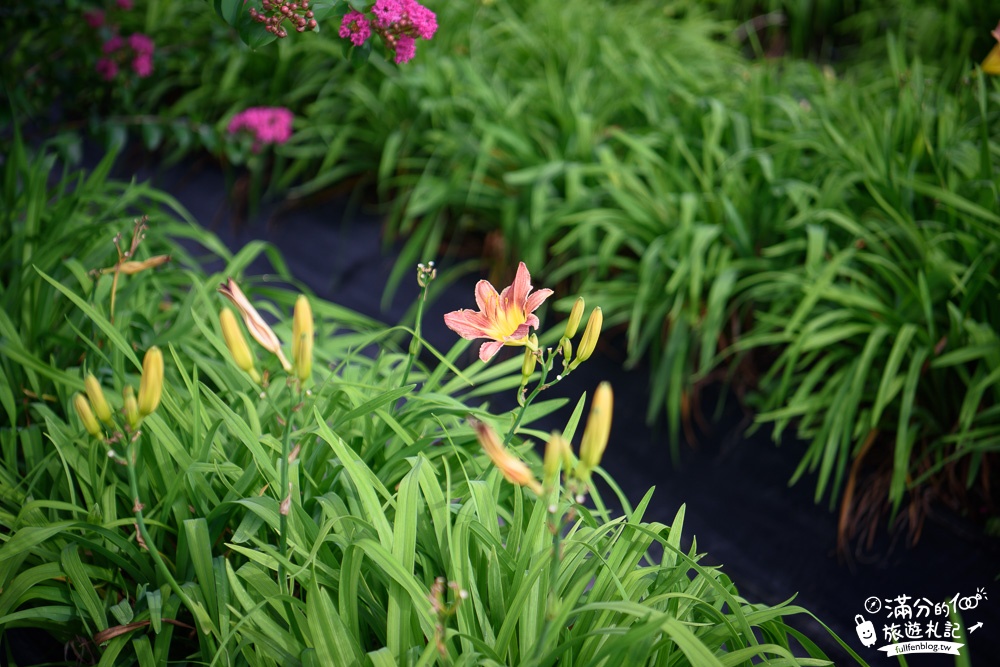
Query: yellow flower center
[507, 319]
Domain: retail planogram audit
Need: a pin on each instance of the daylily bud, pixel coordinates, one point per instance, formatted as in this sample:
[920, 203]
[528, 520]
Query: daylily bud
[598, 430]
[236, 343]
[575, 316]
[302, 338]
[991, 64]
[567, 348]
[131, 407]
[530, 359]
[151, 384]
[513, 469]
[554, 456]
[86, 415]
[97, 400]
[256, 325]
[590, 336]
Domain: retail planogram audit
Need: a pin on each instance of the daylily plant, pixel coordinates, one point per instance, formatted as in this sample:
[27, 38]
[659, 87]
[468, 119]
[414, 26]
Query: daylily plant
[505, 318]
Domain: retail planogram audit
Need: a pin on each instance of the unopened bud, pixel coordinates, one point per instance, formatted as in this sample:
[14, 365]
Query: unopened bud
[97, 400]
[590, 336]
[598, 430]
[530, 359]
[555, 450]
[236, 343]
[151, 384]
[575, 317]
[86, 415]
[131, 407]
[302, 338]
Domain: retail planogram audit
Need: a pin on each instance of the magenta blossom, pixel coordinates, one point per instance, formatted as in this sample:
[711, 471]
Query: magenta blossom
[267, 125]
[113, 44]
[95, 19]
[355, 26]
[142, 65]
[398, 22]
[107, 68]
[141, 44]
[125, 4]
[406, 48]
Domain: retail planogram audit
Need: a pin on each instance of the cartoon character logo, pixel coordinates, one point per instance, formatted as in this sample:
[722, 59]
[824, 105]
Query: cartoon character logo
[866, 631]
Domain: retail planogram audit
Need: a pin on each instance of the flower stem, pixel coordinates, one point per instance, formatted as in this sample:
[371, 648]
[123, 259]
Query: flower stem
[131, 457]
[546, 366]
[286, 450]
[415, 341]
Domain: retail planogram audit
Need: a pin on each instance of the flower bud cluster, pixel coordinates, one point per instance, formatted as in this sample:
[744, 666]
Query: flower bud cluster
[137, 48]
[92, 407]
[276, 12]
[302, 334]
[398, 22]
[558, 451]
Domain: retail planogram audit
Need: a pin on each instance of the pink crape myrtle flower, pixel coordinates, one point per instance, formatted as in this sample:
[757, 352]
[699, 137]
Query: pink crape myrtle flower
[141, 44]
[106, 68]
[112, 44]
[95, 18]
[142, 65]
[505, 318]
[355, 26]
[125, 4]
[406, 48]
[268, 125]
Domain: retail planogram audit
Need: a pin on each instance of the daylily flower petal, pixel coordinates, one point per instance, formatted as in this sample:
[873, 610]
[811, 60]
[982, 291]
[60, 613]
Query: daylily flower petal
[486, 296]
[488, 350]
[521, 286]
[536, 299]
[467, 323]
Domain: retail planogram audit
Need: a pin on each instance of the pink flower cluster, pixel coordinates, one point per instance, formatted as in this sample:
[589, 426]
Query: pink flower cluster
[138, 47]
[397, 22]
[267, 125]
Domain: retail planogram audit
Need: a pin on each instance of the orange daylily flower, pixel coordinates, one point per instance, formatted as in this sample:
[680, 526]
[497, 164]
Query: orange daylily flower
[512, 468]
[505, 318]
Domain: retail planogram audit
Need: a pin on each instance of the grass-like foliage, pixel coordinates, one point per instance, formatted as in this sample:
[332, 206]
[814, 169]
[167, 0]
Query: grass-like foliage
[341, 512]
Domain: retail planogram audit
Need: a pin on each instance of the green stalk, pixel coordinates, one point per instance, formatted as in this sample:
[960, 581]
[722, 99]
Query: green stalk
[546, 367]
[131, 458]
[415, 341]
[286, 450]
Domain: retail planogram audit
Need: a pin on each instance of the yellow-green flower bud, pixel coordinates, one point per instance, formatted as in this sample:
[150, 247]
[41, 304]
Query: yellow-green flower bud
[575, 317]
[598, 430]
[236, 343]
[151, 384]
[530, 359]
[86, 415]
[554, 456]
[97, 400]
[302, 338]
[131, 407]
[567, 349]
[590, 336]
